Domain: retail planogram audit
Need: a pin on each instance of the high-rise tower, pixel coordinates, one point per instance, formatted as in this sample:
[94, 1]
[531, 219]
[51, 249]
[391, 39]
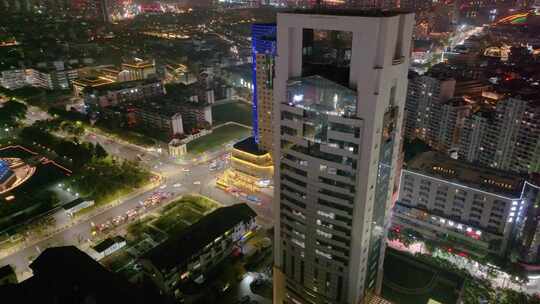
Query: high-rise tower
[339, 95]
[263, 42]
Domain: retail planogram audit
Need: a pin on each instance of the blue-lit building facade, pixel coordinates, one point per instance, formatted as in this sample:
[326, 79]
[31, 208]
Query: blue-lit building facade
[263, 52]
[251, 161]
[7, 176]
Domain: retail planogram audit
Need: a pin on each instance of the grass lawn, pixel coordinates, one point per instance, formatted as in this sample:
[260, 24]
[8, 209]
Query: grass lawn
[187, 210]
[414, 277]
[136, 229]
[180, 214]
[239, 112]
[116, 261]
[219, 137]
[407, 281]
[202, 204]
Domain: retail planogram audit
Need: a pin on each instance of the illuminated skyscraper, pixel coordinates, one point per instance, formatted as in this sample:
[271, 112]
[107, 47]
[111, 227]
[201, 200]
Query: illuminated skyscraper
[263, 42]
[339, 95]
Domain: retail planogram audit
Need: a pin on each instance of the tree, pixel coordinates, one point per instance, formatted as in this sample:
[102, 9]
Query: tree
[99, 151]
[11, 112]
[517, 273]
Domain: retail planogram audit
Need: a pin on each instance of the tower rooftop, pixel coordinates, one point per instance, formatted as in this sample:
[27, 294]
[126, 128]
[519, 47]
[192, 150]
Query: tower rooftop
[349, 12]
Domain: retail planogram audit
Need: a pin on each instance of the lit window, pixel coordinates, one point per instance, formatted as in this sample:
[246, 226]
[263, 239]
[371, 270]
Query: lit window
[324, 234]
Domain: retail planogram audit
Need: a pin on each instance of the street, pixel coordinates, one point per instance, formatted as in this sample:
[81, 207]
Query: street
[194, 177]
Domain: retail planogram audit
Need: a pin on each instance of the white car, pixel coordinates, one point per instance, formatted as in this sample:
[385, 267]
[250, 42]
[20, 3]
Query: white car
[185, 170]
[177, 185]
[163, 187]
[196, 182]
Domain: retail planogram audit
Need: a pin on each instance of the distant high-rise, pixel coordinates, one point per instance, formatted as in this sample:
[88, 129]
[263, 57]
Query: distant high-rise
[263, 42]
[92, 9]
[507, 138]
[339, 95]
[423, 95]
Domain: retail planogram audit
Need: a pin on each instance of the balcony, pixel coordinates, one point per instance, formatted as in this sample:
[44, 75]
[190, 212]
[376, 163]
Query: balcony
[398, 60]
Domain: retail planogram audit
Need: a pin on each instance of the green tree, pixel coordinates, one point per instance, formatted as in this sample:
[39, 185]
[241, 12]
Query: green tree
[11, 112]
[99, 151]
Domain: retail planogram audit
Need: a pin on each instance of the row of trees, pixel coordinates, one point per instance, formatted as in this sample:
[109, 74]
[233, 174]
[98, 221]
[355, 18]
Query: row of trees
[104, 179]
[78, 153]
[96, 174]
[11, 112]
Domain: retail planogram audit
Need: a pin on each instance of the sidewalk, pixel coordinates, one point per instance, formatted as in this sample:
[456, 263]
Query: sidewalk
[55, 230]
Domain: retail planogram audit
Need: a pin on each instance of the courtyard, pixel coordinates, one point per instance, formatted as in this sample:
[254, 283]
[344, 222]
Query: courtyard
[239, 112]
[410, 281]
[218, 137]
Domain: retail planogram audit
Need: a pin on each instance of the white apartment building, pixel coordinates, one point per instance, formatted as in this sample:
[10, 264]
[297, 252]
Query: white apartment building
[476, 209]
[339, 95]
[506, 138]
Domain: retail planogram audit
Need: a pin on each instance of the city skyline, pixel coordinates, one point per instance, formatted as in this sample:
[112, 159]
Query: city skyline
[288, 152]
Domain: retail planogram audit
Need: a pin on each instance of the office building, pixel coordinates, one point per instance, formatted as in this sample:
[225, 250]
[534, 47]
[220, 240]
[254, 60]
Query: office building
[339, 96]
[189, 254]
[263, 42]
[476, 209]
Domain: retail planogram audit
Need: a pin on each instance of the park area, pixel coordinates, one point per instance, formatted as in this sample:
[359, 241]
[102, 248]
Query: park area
[411, 281]
[218, 137]
[239, 112]
[174, 217]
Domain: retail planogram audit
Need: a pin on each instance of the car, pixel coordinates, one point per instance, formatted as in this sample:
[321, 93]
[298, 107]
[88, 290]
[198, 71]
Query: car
[163, 187]
[177, 185]
[196, 182]
[186, 170]
[253, 198]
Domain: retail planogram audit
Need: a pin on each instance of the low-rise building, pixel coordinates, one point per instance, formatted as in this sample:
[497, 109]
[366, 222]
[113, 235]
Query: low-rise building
[68, 275]
[88, 83]
[77, 205]
[108, 246]
[140, 69]
[7, 176]
[476, 209]
[250, 169]
[13, 78]
[189, 254]
[177, 148]
[158, 117]
[120, 92]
